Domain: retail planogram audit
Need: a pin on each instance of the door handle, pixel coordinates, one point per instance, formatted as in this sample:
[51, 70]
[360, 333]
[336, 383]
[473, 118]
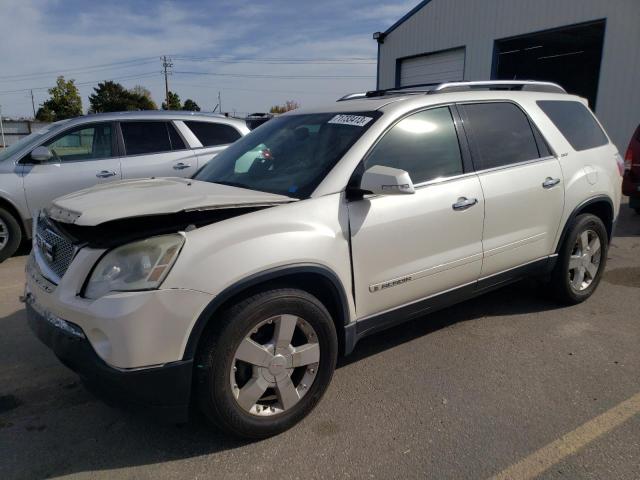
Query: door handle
[181, 166]
[106, 174]
[463, 203]
[550, 182]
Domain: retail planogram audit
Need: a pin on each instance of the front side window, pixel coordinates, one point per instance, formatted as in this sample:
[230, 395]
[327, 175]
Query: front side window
[289, 155]
[88, 142]
[146, 137]
[500, 134]
[424, 144]
[575, 122]
[212, 134]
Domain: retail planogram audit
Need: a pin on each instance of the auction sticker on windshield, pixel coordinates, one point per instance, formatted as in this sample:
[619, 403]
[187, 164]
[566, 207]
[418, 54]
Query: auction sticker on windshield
[354, 120]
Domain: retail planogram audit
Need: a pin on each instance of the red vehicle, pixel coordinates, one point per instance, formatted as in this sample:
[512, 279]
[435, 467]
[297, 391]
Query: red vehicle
[631, 180]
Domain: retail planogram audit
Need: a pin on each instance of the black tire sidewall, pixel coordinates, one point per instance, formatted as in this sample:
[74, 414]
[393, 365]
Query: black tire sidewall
[565, 290]
[214, 393]
[15, 235]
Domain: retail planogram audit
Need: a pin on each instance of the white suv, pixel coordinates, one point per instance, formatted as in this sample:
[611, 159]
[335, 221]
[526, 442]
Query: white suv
[237, 290]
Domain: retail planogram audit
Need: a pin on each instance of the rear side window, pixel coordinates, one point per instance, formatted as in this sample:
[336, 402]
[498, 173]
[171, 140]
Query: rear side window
[145, 137]
[213, 134]
[500, 134]
[575, 122]
[424, 144]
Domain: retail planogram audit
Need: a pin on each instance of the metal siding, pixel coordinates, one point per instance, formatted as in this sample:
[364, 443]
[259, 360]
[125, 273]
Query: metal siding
[432, 68]
[446, 24]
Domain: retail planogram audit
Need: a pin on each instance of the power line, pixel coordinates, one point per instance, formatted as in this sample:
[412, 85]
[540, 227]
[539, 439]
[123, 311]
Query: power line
[249, 75]
[105, 66]
[89, 82]
[263, 90]
[279, 61]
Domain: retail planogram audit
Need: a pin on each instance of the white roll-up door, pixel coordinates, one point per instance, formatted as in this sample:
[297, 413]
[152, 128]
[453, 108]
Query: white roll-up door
[432, 68]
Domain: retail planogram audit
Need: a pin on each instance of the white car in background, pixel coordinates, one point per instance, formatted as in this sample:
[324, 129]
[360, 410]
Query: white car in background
[74, 154]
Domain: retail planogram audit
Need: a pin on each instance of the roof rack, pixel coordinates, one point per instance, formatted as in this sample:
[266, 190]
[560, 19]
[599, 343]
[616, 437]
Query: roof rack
[525, 85]
[445, 87]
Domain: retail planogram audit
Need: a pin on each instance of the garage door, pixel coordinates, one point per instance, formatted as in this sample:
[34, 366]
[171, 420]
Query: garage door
[432, 68]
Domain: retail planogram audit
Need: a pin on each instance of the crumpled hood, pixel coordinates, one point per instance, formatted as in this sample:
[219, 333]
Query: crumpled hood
[150, 196]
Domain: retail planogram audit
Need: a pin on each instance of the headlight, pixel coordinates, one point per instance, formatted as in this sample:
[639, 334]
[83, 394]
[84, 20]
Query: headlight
[139, 265]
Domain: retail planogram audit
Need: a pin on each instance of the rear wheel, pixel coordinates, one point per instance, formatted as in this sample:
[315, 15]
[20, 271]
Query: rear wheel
[581, 261]
[10, 235]
[268, 364]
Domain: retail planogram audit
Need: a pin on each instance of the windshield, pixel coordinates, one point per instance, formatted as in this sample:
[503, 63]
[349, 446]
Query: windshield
[289, 155]
[27, 141]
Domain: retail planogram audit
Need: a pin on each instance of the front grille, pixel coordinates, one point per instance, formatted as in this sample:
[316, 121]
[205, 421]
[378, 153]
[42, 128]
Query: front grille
[54, 249]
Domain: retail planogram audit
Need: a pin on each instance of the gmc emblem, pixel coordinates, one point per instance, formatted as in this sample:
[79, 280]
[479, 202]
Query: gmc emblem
[46, 248]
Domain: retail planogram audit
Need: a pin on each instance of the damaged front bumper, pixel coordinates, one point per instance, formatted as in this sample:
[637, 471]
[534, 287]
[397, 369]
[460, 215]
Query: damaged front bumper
[162, 391]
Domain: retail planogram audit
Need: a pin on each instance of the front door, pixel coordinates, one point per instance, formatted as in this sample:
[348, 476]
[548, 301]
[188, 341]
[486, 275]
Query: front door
[409, 247]
[153, 148]
[83, 156]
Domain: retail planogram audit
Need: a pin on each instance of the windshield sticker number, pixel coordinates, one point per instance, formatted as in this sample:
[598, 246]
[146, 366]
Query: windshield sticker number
[353, 120]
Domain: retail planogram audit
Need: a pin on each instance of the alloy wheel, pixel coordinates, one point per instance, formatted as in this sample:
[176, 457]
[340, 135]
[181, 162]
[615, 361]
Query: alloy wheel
[275, 365]
[584, 261]
[4, 234]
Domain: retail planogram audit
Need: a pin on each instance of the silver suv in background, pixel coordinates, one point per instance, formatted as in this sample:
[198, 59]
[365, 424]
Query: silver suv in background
[74, 154]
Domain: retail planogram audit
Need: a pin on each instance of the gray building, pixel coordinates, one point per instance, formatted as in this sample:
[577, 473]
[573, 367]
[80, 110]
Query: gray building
[15, 129]
[590, 47]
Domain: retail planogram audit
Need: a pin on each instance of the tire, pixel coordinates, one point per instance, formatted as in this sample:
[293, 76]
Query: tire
[566, 283]
[222, 374]
[10, 234]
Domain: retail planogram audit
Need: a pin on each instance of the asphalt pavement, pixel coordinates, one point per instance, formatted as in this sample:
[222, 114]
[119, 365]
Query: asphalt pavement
[509, 385]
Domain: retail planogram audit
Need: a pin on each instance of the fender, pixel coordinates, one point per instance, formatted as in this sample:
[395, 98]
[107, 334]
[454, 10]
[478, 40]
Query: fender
[8, 203]
[576, 212]
[255, 279]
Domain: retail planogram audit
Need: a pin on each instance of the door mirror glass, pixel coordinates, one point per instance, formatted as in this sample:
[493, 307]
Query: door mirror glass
[382, 180]
[41, 154]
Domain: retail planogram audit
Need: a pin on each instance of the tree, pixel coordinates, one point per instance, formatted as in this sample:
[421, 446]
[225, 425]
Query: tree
[110, 96]
[190, 105]
[288, 106]
[65, 102]
[144, 99]
[44, 114]
[174, 102]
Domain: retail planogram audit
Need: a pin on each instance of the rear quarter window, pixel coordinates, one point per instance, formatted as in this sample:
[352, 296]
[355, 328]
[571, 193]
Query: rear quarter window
[212, 134]
[575, 122]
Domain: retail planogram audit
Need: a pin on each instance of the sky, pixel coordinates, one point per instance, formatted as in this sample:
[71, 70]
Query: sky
[240, 49]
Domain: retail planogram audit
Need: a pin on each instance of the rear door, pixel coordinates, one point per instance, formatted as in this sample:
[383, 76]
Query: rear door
[83, 156]
[214, 138]
[522, 184]
[154, 148]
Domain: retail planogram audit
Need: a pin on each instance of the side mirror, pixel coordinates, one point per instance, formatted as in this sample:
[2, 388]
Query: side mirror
[386, 181]
[41, 154]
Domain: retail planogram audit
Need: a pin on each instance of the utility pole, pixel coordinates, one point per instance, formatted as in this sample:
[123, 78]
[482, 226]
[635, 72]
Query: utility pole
[166, 65]
[33, 105]
[219, 102]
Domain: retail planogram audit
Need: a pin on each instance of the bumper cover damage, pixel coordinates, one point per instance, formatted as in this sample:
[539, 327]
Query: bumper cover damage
[163, 391]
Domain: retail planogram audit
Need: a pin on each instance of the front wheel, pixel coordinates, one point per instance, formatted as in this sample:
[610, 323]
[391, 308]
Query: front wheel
[266, 363]
[10, 235]
[581, 260]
